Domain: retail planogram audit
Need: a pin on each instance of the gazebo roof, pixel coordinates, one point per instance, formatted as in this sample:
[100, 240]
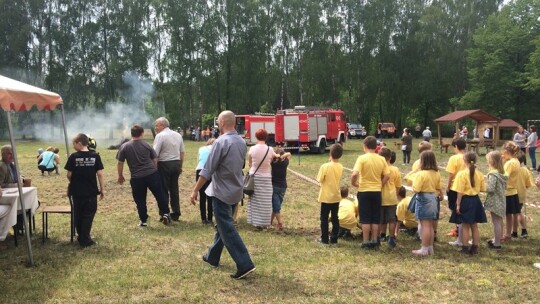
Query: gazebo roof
[508, 123]
[478, 115]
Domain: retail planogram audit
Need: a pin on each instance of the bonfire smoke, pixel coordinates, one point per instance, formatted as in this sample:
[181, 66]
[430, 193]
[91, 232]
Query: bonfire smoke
[111, 123]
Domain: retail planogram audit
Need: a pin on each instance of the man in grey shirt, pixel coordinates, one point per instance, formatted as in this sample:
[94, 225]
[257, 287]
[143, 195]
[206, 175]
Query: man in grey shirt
[142, 161]
[224, 168]
[169, 147]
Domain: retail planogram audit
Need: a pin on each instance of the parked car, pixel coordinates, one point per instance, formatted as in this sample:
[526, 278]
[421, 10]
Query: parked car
[356, 130]
[388, 129]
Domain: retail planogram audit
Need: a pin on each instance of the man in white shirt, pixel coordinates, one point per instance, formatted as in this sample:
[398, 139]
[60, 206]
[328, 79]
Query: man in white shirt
[486, 133]
[426, 134]
[169, 147]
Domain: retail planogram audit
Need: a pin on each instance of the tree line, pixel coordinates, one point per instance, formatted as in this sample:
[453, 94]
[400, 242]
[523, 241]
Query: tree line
[402, 61]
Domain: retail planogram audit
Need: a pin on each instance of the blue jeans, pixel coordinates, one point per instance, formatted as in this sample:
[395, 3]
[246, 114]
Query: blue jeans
[227, 236]
[532, 154]
[277, 198]
[139, 187]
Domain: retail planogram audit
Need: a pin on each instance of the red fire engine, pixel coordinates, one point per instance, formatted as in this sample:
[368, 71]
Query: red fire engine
[299, 128]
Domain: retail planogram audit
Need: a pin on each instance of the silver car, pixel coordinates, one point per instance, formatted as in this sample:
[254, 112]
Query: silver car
[356, 130]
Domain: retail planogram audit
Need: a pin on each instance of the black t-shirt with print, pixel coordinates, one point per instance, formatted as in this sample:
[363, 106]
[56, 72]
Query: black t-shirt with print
[83, 166]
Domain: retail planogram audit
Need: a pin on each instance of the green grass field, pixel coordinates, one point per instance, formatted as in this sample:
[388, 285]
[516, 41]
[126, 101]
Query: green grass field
[163, 263]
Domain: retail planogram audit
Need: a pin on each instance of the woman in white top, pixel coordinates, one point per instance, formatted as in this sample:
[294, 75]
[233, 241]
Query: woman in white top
[531, 146]
[259, 211]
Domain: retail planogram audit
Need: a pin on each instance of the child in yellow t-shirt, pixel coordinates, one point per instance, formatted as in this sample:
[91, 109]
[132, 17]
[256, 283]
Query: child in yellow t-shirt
[428, 188]
[511, 169]
[524, 182]
[455, 164]
[469, 209]
[370, 173]
[347, 213]
[329, 177]
[389, 198]
[406, 219]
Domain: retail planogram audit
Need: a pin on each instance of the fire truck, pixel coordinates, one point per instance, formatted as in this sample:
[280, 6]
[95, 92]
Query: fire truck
[305, 128]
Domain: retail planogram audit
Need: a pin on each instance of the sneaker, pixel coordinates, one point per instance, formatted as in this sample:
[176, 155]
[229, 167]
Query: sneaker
[205, 259]
[455, 243]
[392, 242]
[242, 274]
[89, 244]
[537, 265]
[320, 241]
[524, 234]
[366, 245]
[143, 224]
[514, 235]
[420, 252]
[491, 245]
[165, 219]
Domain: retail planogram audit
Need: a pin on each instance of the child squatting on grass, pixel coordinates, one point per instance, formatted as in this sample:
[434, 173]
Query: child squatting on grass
[347, 214]
[495, 199]
[468, 184]
[428, 188]
[370, 174]
[329, 177]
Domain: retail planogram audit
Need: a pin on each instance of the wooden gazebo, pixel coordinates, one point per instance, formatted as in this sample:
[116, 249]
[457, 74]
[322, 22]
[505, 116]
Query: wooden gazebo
[482, 118]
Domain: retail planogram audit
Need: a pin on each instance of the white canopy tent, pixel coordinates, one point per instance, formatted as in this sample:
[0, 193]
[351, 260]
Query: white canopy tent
[18, 96]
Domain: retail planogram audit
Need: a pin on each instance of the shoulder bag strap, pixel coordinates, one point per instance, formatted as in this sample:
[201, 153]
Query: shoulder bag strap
[261, 161]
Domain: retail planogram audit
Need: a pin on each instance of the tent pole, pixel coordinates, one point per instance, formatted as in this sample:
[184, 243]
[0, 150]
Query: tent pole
[65, 131]
[19, 185]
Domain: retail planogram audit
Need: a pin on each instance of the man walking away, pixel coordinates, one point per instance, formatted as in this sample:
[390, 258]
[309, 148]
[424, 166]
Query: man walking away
[142, 161]
[169, 147]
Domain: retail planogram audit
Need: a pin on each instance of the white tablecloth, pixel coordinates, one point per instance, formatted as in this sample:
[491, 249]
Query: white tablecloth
[8, 214]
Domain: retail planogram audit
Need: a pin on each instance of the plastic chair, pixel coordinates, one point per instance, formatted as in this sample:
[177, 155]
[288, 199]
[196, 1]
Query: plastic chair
[61, 210]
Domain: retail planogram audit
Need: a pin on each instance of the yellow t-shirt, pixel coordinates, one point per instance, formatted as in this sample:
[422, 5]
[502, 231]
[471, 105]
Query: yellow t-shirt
[524, 181]
[404, 215]
[348, 213]
[427, 181]
[389, 197]
[416, 165]
[371, 168]
[329, 177]
[462, 183]
[511, 169]
[455, 164]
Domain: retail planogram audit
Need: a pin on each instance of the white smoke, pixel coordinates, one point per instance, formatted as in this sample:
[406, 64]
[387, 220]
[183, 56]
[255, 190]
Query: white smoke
[110, 124]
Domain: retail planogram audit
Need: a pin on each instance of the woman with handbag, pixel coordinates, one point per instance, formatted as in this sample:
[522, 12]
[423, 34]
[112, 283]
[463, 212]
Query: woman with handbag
[406, 146]
[259, 211]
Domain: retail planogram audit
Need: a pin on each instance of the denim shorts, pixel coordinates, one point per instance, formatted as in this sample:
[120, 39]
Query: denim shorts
[426, 206]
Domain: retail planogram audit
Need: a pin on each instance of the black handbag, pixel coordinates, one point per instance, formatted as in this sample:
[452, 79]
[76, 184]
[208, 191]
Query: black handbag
[249, 179]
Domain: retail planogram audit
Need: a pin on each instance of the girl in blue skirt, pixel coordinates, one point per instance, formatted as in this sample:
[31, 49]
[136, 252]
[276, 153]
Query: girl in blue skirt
[468, 184]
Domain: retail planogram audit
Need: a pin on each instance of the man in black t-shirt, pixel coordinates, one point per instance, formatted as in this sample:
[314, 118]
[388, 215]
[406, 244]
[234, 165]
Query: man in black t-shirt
[82, 168]
[142, 162]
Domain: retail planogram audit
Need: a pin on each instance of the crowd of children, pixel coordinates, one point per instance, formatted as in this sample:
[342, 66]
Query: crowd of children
[382, 208]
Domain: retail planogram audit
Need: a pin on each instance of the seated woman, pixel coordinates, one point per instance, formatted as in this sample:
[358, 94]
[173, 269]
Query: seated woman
[48, 161]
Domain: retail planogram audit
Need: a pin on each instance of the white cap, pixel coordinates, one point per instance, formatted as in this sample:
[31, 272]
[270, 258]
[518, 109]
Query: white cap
[427, 127]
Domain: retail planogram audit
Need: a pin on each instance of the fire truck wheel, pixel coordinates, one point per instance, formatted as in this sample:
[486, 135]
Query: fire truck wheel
[322, 146]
